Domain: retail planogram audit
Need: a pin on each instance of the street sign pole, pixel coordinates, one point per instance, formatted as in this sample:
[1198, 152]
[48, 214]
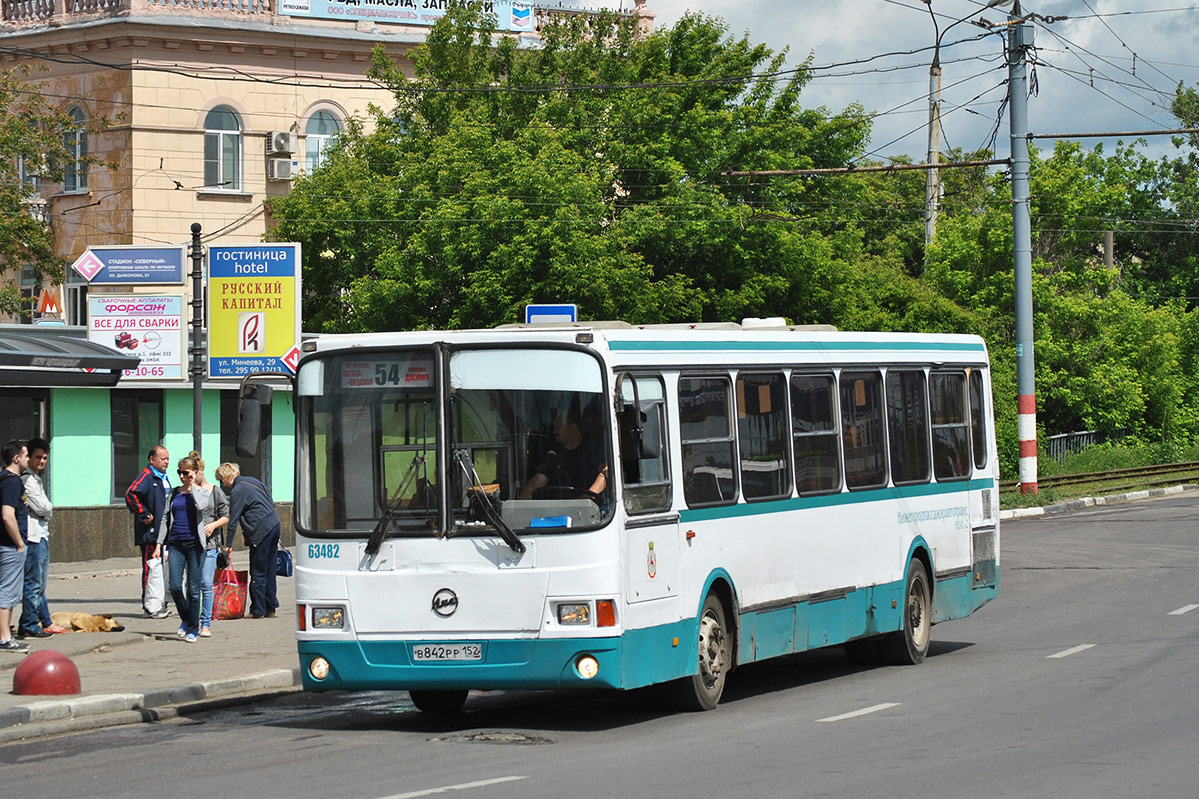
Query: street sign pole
[197, 350]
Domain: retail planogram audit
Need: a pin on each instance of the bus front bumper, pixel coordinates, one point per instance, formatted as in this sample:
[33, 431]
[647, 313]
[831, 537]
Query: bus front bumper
[510, 664]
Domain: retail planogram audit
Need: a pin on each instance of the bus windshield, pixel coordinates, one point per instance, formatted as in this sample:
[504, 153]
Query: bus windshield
[526, 443]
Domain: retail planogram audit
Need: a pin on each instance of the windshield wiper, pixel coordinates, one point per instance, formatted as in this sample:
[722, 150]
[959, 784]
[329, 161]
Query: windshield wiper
[376, 538]
[514, 543]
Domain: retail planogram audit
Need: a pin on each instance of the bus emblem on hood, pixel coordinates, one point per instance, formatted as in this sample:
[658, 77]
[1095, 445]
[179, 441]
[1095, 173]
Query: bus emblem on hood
[445, 602]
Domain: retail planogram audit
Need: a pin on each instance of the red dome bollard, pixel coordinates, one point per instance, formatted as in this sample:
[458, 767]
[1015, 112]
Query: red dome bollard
[46, 672]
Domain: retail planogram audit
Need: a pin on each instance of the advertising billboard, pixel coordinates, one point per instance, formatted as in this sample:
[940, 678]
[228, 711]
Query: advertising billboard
[150, 327]
[253, 308]
[510, 16]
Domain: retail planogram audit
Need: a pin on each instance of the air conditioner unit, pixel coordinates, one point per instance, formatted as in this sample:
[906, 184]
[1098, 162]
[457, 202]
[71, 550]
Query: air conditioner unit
[281, 142]
[282, 169]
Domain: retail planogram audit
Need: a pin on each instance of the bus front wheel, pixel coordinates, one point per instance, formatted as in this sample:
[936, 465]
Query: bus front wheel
[443, 703]
[702, 690]
[908, 646]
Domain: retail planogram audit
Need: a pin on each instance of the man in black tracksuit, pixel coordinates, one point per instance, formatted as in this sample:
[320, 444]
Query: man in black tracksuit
[146, 499]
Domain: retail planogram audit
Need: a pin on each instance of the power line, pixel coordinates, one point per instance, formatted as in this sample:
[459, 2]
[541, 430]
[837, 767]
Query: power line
[1123, 43]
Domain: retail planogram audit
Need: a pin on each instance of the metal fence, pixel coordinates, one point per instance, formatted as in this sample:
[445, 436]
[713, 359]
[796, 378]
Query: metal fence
[1063, 444]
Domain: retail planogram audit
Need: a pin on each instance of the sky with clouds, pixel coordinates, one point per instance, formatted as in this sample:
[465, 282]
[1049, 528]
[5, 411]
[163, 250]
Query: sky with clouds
[1102, 65]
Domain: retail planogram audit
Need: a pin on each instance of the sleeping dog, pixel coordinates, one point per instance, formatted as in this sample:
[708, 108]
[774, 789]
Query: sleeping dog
[86, 622]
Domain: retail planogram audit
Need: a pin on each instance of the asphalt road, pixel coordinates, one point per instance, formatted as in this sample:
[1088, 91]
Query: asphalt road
[1078, 681]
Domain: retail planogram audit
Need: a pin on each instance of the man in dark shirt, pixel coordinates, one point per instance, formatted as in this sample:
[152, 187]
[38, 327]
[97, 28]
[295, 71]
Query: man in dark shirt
[14, 524]
[576, 463]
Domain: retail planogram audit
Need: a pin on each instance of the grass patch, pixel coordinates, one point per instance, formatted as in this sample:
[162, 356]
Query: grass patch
[1099, 458]
[1116, 455]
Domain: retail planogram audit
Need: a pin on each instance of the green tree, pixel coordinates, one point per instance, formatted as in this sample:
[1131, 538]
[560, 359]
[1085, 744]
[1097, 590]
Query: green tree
[1112, 348]
[588, 169]
[32, 149]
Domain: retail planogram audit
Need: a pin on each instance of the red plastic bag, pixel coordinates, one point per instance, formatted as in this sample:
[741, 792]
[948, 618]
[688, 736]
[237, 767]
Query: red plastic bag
[229, 588]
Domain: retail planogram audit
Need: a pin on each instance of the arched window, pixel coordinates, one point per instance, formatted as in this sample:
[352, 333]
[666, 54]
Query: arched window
[320, 132]
[222, 150]
[74, 141]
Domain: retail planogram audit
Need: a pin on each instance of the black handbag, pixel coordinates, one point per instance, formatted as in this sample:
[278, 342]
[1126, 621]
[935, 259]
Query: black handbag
[222, 560]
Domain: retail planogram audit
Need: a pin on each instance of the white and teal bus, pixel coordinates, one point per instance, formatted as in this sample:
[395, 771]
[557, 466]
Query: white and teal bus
[541, 506]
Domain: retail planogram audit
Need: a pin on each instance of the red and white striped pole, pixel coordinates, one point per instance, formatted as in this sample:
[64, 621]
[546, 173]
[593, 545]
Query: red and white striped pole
[1026, 426]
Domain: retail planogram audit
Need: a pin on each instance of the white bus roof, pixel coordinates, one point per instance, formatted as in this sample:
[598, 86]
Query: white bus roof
[698, 343]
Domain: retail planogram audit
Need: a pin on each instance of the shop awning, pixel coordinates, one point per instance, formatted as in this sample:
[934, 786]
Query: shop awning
[42, 357]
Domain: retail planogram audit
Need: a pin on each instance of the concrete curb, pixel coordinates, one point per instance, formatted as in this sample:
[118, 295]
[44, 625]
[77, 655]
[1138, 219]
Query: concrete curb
[1090, 502]
[17, 722]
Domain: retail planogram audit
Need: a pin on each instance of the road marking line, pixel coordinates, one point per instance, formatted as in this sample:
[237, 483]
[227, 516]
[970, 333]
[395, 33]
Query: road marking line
[1074, 650]
[459, 787]
[862, 712]
[1182, 610]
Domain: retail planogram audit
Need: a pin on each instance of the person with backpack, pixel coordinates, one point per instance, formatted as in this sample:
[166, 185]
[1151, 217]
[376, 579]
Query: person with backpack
[14, 518]
[146, 499]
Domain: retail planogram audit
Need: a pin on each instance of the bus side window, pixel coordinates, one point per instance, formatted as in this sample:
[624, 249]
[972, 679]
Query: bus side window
[706, 433]
[814, 434]
[862, 431]
[644, 458]
[978, 419]
[907, 426]
[762, 436]
[951, 434]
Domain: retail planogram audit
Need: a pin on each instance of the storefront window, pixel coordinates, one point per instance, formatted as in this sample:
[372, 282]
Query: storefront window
[136, 426]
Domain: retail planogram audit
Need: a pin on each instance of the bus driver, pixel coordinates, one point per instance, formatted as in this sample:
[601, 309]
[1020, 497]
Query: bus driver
[576, 462]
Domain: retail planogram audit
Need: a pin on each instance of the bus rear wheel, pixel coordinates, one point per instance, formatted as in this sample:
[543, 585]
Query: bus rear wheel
[908, 646]
[702, 690]
[442, 703]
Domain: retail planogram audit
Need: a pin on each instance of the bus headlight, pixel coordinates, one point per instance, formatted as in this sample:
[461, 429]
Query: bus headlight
[328, 618]
[574, 613]
[587, 666]
[318, 667]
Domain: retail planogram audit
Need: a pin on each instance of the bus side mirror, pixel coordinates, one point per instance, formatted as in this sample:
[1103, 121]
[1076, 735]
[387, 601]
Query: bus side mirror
[249, 421]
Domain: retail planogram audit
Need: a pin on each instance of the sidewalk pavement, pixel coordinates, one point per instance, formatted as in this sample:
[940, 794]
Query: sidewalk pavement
[146, 672]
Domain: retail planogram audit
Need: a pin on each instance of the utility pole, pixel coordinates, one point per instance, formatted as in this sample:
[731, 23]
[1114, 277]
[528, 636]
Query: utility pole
[1019, 39]
[932, 180]
[197, 351]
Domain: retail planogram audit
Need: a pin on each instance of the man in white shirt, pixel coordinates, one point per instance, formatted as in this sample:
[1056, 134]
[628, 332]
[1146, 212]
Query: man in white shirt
[35, 613]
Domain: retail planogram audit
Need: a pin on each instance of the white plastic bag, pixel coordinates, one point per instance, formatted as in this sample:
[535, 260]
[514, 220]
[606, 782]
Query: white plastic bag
[154, 592]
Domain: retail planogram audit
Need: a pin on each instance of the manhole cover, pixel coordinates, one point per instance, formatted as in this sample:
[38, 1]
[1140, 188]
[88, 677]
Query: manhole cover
[491, 737]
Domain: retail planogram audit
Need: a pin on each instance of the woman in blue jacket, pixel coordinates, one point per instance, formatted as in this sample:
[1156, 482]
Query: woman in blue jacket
[185, 534]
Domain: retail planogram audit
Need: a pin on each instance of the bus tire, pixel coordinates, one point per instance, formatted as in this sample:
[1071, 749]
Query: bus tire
[702, 690]
[909, 645]
[441, 703]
